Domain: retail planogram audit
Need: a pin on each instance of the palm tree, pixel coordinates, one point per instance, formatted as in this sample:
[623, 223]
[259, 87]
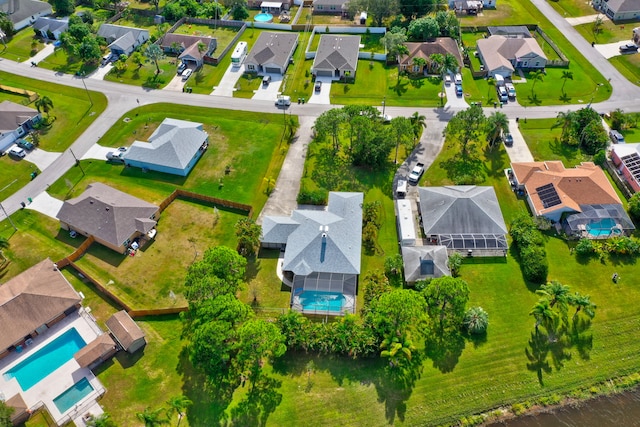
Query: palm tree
[536, 76]
[152, 417]
[583, 303]
[418, 122]
[154, 53]
[397, 349]
[178, 404]
[45, 104]
[497, 124]
[543, 313]
[566, 75]
[557, 293]
[103, 420]
[565, 120]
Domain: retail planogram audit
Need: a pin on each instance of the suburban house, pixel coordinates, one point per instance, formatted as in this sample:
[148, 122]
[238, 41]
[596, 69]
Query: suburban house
[424, 262]
[619, 10]
[16, 121]
[31, 302]
[321, 253]
[271, 53]
[115, 219]
[174, 147]
[464, 218]
[126, 332]
[503, 55]
[626, 157]
[580, 199]
[50, 28]
[471, 6]
[96, 352]
[511, 31]
[337, 56]
[191, 49]
[122, 40]
[331, 7]
[424, 50]
[270, 6]
[23, 13]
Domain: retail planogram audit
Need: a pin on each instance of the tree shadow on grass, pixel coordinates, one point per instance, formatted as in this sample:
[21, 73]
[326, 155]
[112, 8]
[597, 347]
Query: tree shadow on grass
[464, 170]
[534, 100]
[258, 404]
[562, 150]
[537, 353]
[498, 160]
[444, 349]
[400, 88]
[565, 98]
[332, 171]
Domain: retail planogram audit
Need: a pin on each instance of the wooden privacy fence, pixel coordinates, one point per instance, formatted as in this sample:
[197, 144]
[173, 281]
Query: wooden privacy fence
[183, 194]
[32, 96]
[157, 312]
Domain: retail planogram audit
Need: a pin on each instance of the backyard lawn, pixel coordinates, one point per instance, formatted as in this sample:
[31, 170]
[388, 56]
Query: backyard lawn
[20, 46]
[145, 75]
[60, 61]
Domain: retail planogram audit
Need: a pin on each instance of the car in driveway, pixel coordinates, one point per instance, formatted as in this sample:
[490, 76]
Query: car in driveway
[181, 68]
[283, 101]
[17, 152]
[508, 139]
[115, 156]
[458, 90]
[628, 48]
[616, 137]
[186, 74]
[447, 79]
[266, 80]
[25, 144]
[318, 86]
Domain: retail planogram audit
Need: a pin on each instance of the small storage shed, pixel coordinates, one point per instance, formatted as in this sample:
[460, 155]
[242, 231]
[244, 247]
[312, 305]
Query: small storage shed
[126, 332]
[406, 229]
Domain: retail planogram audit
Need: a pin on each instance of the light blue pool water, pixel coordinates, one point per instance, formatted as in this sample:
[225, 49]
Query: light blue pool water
[602, 227]
[73, 395]
[325, 301]
[34, 368]
[263, 17]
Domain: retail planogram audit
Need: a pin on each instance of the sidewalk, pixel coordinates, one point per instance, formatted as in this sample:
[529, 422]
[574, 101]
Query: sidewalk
[46, 51]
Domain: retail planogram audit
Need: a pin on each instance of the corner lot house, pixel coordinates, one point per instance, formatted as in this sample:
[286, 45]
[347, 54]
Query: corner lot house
[337, 56]
[50, 28]
[189, 47]
[23, 13]
[112, 217]
[122, 40]
[619, 10]
[626, 157]
[126, 332]
[271, 53]
[581, 199]
[173, 148]
[321, 254]
[464, 218]
[441, 45]
[504, 55]
[15, 121]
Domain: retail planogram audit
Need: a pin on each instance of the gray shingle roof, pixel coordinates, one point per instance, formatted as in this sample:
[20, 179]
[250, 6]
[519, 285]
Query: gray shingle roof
[421, 262]
[460, 209]
[12, 115]
[341, 3]
[337, 53]
[510, 31]
[173, 144]
[273, 48]
[18, 10]
[276, 229]
[325, 241]
[51, 24]
[120, 36]
[108, 214]
[621, 6]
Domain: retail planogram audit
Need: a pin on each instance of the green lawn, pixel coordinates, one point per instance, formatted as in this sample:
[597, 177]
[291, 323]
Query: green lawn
[246, 86]
[131, 19]
[609, 31]
[545, 145]
[60, 61]
[21, 45]
[223, 35]
[629, 66]
[16, 173]
[146, 74]
[572, 8]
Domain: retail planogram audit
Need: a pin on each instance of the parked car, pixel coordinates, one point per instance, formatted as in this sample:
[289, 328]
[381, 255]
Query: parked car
[25, 144]
[458, 78]
[511, 90]
[17, 152]
[508, 139]
[122, 149]
[181, 68]
[266, 80]
[616, 137]
[628, 48]
[401, 189]
[318, 86]
[502, 94]
[447, 79]
[416, 173]
[458, 90]
[186, 74]
[115, 156]
[106, 59]
[283, 101]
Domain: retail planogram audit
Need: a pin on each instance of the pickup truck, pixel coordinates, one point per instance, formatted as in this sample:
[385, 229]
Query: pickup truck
[416, 173]
[511, 90]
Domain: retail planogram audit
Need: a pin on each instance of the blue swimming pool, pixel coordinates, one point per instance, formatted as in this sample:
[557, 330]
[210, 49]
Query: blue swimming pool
[73, 395]
[604, 227]
[323, 301]
[43, 362]
[263, 17]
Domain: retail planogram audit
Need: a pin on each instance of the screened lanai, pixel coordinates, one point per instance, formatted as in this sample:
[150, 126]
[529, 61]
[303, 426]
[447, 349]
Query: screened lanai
[324, 293]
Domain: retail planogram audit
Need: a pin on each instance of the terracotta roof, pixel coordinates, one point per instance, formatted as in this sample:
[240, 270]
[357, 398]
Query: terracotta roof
[124, 329]
[103, 346]
[441, 45]
[31, 299]
[586, 184]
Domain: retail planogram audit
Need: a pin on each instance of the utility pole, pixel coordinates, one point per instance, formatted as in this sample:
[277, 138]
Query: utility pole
[9, 218]
[77, 161]
[87, 90]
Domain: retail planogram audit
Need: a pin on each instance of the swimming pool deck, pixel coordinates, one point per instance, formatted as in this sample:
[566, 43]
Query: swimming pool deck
[62, 378]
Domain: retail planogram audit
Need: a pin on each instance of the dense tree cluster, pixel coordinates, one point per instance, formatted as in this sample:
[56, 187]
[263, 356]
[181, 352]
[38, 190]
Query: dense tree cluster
[552, 309]
[529, 243]
[621, 245]
[442, 24]
[80, 40]
[582, 128]
[634, 207]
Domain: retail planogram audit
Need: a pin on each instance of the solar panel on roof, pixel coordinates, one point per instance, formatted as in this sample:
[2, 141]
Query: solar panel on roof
[548, 195]
[632, 163]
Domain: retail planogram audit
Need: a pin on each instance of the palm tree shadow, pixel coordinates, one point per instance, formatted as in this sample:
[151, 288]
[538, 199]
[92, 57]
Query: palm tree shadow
[533, 99]
[537, 353]
[565, 98]
[444, 349]
[258, 404]
[395, 386]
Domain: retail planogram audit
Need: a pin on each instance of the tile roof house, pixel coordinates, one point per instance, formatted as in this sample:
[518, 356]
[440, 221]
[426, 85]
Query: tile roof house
[626, 157]
[122, 40]
[23, 13]
[112, 217]
[126, 332]
[32, 302]
[424, 262]
[580, 198]
[331, 7]
[15, 121]
[424, 50]
[337, 56]
[619, 10]
[463, 218]
[271, 53]
[173, 148]
[189, 47]
[321, 251]
[51, 28]
[503, 55]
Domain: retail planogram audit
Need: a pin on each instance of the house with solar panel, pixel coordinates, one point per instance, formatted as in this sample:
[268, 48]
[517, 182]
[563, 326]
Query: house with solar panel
[321, 258]
[626, 157]
[463, 218]
[174, 147]
[581, 200]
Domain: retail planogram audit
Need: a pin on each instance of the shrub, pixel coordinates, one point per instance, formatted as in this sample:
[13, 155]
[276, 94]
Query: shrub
[600, 158]
[312, 197]
[535, 267]
[634, 207]
[476, 321]
[585, 247]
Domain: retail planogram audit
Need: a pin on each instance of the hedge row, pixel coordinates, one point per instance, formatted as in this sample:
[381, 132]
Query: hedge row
[529, 243]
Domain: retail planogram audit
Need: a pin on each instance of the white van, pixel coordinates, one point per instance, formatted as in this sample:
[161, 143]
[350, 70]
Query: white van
[283, 101]
[458, 78]
[499, 80]
[401, 189]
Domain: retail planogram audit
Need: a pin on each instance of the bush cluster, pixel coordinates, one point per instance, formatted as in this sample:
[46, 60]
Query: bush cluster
[313, 197]
[529, 243]
[622, 245]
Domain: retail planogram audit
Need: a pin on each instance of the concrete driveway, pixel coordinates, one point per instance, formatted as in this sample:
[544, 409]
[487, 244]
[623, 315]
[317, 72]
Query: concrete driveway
[228, 82]
[97, 152]
[610, 50]
[271, 91]
[42, 159]
[578, 20]
[46, 51]
[454, 101]
[321, 97]
[519, 152]
[100, 72]
[46, 204]
[177, 84]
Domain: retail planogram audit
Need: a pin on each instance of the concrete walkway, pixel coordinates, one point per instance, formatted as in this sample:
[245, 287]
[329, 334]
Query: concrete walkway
[579, 20]
[46, 51]
[228, 82]
[519, 151]
[45, 204]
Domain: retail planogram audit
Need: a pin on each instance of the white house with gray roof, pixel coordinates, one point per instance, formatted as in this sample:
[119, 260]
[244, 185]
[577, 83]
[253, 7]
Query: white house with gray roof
[337, 56]
[463, 218]
[321, 253]
[503, 55]
[23, 13]
[271, 53]
[122, 40]
[173, 148]
[619, 10]
[50, 28]
[331, 7]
